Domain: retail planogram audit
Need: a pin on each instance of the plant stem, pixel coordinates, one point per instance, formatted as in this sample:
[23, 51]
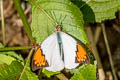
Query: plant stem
[28, 58]
[61, 76]
[108, 51]
[2, 22]
[95, 52]
[85, 3]
[14, 48]
[24, 20]
[98, 32]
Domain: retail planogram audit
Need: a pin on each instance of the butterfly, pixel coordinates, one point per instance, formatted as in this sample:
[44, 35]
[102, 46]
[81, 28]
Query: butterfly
[57, 52]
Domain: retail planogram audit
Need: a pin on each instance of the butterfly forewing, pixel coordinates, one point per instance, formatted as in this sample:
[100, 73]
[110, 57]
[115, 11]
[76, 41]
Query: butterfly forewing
[81, 54]
[51, 51]
[74, 53]
[69, 49]
[38, 60]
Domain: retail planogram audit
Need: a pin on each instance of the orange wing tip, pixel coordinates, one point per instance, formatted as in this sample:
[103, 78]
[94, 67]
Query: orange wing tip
[39, 59]
[81, 55]
[41, 64]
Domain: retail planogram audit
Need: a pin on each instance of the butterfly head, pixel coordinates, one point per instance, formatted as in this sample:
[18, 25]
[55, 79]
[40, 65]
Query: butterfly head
[58, 28]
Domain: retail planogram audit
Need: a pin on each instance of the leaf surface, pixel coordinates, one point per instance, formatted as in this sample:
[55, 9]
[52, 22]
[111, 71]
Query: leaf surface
[6, 59]
[12, 72]
[49, 73]
[98, 10]
[86, 72]
[47, 14]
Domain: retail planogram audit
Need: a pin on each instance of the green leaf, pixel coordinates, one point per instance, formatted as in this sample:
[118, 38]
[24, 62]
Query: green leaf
[14, 55]
[31, 75]
[98, 10]
[9, 55]
[47, 14]
[6, 59]
[49, 73]
[12, 72]
[1, 45]
[86, 72]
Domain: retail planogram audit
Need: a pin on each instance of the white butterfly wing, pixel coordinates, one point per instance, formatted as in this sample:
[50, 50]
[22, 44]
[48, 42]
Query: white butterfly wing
[69, 49]
[50, 49]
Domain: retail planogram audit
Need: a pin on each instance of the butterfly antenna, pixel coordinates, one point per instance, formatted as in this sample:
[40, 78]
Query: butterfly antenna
[50, 13]
[71, 25]
[62, 20]
[48, 29]
[64, 17]
[55, 17]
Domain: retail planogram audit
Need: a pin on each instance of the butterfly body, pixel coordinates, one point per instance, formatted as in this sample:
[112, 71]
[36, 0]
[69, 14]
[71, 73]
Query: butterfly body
[60, 44]
[57, 52]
